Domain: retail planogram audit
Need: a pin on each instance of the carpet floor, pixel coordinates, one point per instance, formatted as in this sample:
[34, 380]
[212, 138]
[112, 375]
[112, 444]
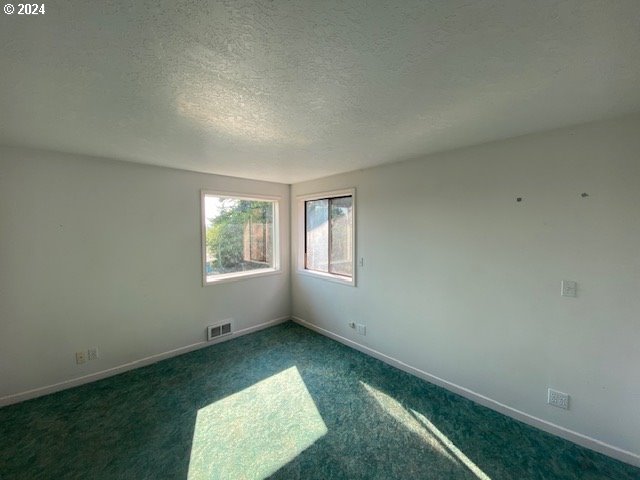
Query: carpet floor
[282, 403]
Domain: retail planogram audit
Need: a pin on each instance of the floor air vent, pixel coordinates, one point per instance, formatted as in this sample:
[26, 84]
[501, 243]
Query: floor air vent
[219, 330]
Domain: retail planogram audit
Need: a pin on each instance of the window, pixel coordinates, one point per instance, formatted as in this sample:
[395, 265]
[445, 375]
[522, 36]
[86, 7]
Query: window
[239, 236]
[327, 235]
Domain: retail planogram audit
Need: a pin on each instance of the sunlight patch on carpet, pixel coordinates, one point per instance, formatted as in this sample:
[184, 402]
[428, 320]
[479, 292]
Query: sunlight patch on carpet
[419, 424]
[253, 433]
[451, 446]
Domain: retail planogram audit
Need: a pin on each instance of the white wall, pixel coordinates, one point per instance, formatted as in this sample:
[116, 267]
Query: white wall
[99, 252]
[462, 282]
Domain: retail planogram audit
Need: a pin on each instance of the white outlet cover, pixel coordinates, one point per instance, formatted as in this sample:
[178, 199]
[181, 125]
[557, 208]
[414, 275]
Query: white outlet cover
[558, 399]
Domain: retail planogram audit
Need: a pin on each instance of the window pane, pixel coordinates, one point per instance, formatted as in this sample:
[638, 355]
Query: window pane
[317, 235]
[341, 262]
[239, 235]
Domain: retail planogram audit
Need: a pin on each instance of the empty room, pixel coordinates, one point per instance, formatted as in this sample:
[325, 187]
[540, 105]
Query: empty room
[320, 239]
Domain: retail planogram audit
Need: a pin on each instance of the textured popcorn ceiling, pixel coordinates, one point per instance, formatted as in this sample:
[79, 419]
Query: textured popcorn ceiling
[293, 90]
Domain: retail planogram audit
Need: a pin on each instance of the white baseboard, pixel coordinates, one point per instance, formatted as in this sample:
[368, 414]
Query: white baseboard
[575, 437]
[92, 377]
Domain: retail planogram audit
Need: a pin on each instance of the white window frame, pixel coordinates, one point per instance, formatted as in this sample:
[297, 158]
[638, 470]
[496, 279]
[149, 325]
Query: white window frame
[301, 221]
[236, 276]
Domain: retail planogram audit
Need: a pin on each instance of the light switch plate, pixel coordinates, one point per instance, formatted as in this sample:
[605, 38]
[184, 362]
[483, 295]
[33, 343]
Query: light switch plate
[569, 288]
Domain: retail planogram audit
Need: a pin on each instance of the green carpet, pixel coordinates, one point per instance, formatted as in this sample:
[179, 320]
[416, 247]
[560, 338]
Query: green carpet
[280, 403]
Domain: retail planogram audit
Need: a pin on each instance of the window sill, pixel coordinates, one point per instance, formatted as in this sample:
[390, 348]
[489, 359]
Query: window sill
[235, 277]
[351, 282]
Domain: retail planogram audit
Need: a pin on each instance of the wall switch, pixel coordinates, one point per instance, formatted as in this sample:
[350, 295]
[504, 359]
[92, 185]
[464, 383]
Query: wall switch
[558, 399]
[361, 262]
[569, 288]
[81, 357]
[361, 329]
[92, 353]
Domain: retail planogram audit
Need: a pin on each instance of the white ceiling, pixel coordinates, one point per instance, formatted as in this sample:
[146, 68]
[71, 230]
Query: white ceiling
[293, 90]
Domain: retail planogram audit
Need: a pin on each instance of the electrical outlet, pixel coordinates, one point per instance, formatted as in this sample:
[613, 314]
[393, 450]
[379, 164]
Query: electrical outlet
[92, 353]
[361, 329]
[81, 357]
[558, 399]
